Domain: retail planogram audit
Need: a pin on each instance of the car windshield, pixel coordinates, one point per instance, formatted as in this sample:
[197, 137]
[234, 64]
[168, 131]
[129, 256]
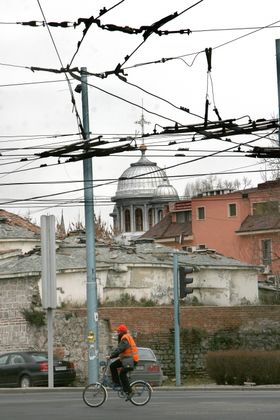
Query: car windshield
[146, 354]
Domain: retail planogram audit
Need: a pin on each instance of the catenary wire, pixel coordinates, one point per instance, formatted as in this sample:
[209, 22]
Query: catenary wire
[110, 182]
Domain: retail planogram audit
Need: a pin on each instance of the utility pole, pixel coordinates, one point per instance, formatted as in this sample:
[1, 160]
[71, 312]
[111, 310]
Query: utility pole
[176, 321]
[92, 314]
[278, 78]
[48, 257]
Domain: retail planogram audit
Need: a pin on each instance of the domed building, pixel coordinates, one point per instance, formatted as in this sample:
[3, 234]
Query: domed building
[142, 193]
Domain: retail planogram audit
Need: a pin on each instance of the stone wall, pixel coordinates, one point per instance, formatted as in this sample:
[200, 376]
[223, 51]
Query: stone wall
[70, 338]
[14, 296]
[203, 328]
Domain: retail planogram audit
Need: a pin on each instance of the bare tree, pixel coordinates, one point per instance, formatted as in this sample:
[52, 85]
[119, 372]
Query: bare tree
[212, 182]
[102, 230]
[272, 164]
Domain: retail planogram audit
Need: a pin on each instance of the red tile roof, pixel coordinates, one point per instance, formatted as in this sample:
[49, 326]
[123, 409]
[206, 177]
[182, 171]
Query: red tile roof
[166, 229]
[257, 223]
[15, 220]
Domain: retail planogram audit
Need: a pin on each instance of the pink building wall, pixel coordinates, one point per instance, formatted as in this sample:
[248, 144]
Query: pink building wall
[219, 230]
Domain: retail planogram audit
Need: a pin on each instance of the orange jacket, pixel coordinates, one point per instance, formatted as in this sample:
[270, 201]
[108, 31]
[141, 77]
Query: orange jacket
[132, 350]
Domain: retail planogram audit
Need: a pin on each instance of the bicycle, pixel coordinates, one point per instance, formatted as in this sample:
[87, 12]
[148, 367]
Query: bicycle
[96, 394]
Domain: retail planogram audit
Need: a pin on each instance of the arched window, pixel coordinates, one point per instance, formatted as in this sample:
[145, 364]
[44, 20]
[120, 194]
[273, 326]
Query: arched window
[127, 226]
[160, 215]
[150, 217]
[139, 220]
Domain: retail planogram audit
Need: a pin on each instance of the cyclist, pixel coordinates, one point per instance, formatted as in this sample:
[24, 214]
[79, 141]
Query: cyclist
[127, 358]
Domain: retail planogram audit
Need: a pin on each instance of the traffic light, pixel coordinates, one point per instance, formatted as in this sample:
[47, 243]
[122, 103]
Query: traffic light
[184, 281]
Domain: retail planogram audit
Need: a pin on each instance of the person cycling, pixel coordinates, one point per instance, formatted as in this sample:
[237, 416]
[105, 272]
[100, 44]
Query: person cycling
[127, 358]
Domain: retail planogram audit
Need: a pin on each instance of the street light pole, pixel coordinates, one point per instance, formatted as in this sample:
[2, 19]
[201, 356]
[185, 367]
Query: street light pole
[92, 314]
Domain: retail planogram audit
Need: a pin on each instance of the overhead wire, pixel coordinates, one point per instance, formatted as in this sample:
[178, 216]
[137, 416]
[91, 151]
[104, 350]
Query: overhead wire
[78, 118]
[216, 47]
[133, 177]
[182, 108]
[157, 145]
[31, 83]
[89, 23]
[151, 30]
[163, 60]
[67, 24]
[245, 35]
[129, 102]
[73, 201]
[178, 176]
[197, 53]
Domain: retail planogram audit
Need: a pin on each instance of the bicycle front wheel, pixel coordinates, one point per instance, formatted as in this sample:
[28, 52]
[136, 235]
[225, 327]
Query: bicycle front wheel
[141, 392]
[95, 394]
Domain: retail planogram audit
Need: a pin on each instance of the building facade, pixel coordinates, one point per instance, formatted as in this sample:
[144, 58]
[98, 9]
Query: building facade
[242, 224]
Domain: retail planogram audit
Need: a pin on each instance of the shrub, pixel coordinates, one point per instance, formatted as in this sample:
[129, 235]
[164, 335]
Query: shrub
[224, 340]
[126, 299]
[234, 367]
[34, 317]
[193, 335]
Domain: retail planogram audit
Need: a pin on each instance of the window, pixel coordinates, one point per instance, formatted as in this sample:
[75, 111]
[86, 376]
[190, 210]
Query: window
[139, 220]
[265, 207]
[160, 215]
[3, 359]
[201, 213]
[16, 359]
[183, 216]
[266, 251]
[127, 226]
[232, 210]
[150, 217]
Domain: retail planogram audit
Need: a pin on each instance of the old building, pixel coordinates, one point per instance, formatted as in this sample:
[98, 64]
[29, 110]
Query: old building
[141, 270]
[242, 224]
[142, 193]
[17, 233]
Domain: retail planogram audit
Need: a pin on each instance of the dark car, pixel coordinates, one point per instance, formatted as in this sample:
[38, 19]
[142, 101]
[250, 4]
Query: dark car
[148, 368]
[25, 369]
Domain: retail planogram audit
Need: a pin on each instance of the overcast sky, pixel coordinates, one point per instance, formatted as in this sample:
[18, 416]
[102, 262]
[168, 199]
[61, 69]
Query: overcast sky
[37, 113]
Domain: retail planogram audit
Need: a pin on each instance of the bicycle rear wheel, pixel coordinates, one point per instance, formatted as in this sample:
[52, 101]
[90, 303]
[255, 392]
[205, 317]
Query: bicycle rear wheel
[95, 394]
[141, 392]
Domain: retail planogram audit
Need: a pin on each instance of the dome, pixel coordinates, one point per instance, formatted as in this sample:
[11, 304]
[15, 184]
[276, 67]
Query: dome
[142, 179]
[166, 192]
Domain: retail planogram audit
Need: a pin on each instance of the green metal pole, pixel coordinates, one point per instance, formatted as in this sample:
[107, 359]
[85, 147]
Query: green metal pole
[176, 321]
[277, 41]
[92, 315]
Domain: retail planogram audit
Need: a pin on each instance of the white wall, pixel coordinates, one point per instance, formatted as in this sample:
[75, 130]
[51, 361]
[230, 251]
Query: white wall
[222, 287]
[24, 245]
[226, 287]
[244, 287]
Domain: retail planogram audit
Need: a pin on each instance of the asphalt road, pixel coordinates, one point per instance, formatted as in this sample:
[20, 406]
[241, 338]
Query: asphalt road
[185, 404]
